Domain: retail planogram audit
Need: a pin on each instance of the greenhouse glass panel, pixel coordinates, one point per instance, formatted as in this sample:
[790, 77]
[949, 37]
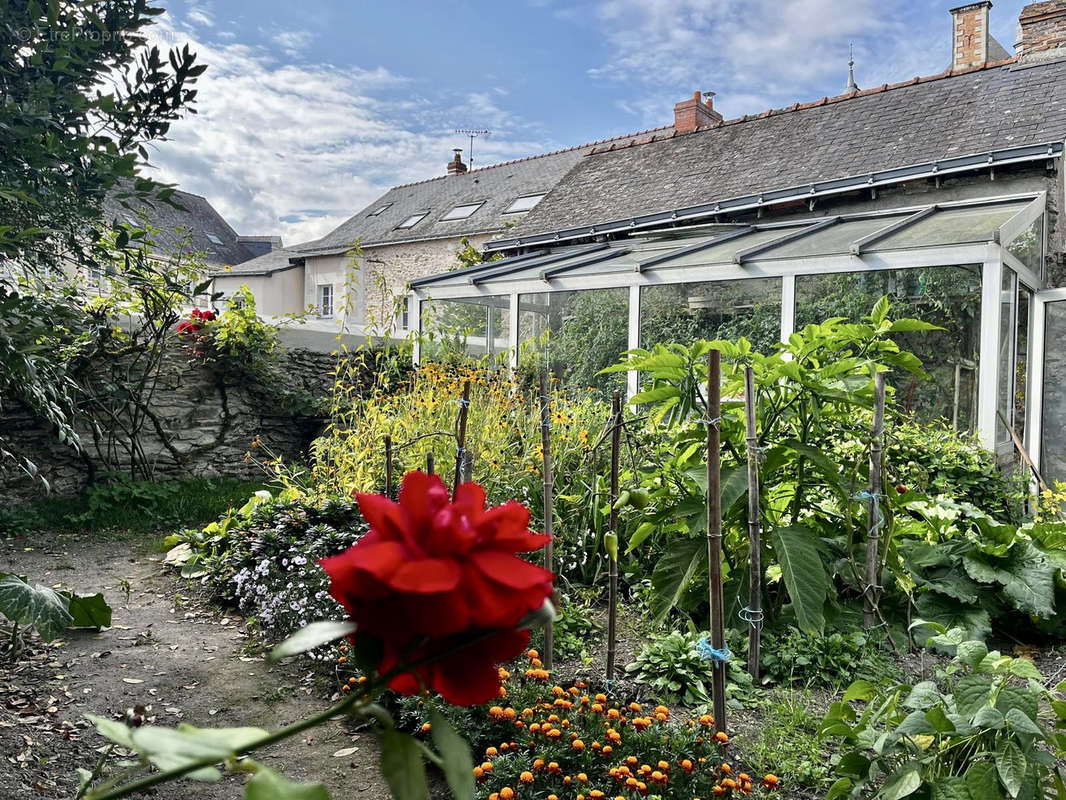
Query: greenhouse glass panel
[576, 334]
[684, 312]
[1005, 397]
[952, 226]
[1021, 360]
[1028, 246]
[469, 328]
[946, 296]
[1053, 451]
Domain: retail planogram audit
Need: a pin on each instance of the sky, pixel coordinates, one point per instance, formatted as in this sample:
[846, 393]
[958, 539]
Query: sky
[310, 110]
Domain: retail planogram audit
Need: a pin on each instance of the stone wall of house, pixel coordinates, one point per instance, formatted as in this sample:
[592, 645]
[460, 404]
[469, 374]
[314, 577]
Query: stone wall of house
[204, 422]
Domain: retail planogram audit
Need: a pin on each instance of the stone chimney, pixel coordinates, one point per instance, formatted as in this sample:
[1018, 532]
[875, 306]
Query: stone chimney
[456, 165]
[1042, 30]
[695, 113]
[969, 35]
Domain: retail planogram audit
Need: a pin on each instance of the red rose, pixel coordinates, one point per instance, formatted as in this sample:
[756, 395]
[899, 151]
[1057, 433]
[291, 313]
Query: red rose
[187, 328]
[195, 313]
[208, 316]
[434, 574]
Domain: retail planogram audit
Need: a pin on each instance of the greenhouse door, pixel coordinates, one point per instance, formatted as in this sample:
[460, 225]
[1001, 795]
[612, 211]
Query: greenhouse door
[1048, 410]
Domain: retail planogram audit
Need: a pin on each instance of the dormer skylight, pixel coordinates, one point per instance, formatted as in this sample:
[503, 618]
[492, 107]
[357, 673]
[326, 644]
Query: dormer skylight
[462, 211]
[213, 239]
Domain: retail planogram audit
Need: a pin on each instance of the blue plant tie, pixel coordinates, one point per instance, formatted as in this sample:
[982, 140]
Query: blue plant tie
[464, 403]
[460, 452]
[715, 422]
[608, 686]
[708, 653]
[875, 496]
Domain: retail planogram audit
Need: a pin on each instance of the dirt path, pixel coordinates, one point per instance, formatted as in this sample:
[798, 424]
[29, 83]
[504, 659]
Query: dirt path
[166, 649]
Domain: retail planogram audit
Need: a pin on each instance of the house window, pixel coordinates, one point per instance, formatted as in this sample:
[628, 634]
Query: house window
[405, 314]
[462, 211]
[380, 210]
[523, 204]
[325, 300]
[413, 220]
[213, 239]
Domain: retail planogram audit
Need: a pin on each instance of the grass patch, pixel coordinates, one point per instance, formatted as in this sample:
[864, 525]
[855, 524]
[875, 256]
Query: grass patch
[787, 744]
[130, 507]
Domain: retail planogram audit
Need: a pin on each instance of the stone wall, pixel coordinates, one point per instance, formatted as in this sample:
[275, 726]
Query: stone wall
[203, 423]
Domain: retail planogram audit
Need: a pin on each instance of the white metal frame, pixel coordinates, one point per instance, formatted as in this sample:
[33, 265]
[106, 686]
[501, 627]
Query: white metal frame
[991, 256]
[1035, 407]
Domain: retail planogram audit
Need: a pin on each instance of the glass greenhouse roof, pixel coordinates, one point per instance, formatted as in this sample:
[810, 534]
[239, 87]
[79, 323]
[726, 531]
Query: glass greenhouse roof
[857, 235]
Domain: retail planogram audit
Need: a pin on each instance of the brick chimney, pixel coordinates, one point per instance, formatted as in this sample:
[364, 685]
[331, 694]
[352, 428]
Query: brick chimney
[695, 113]
[456, 165]
[969, 35]
[1042, 29]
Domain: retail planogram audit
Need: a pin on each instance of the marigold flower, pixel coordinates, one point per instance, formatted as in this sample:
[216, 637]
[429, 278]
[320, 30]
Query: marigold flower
[578, 745]
[506, 793]
[491, 752]
[526, 777]
[722, 737]
[770, 781]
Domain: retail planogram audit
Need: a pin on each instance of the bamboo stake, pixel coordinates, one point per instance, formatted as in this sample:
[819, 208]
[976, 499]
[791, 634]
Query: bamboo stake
[388, 466]
[545, 441]
[429, 463]
[714, 534]
[460, 444]
[874, 519]
[754, 610]
[468, 467]
[612, 548]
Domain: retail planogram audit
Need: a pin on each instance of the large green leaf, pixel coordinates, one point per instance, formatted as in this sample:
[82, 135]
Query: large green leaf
[88, 610]
[33, 606]
[981, 781]
[950, 613]
[458, 764]
[734, 483]
[402, 766]
[674, 572]
[1011, 766]
[951, 788]
[971, 693]
[311, 636]
[901, 784]
[1028, 577]
[267, 784]
[804, 575]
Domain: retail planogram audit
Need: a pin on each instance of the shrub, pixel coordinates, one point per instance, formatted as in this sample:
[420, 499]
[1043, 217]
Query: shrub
[673, 668]
[791, 656]
[982, 728]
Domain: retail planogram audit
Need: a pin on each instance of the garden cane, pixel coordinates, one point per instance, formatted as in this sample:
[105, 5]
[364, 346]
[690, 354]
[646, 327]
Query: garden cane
[718, 653]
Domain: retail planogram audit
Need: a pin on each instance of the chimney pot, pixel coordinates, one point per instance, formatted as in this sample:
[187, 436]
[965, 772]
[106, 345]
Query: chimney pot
[1042, 30]
[695, 113]
[456, 165]
[969, 35]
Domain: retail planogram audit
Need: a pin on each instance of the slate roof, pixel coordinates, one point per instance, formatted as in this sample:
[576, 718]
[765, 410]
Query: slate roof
[266, 264]
[498, 186]
[1002, 105]
[199, 218]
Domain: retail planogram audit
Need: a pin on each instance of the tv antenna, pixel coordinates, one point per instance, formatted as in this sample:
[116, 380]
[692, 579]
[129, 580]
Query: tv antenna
[473, 135]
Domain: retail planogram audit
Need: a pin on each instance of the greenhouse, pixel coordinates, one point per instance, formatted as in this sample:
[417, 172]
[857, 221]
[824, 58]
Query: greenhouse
[973, 267]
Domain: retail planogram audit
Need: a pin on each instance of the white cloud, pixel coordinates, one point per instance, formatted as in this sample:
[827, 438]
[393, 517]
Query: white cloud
[296, 148]
[293, 42]
[759, 53]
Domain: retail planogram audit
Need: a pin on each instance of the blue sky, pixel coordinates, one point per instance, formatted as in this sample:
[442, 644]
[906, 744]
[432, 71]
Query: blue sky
[310, 110]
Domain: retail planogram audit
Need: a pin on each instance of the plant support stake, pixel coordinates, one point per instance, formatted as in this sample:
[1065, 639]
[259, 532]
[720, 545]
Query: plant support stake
[874, 519]
[460, 439]
[716, 593]
[753, 613]
[611, 539]
[429, 463]
[545, 442]
[388, 466]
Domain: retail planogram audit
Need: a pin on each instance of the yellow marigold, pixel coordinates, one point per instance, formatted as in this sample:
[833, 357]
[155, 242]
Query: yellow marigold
[526, 777]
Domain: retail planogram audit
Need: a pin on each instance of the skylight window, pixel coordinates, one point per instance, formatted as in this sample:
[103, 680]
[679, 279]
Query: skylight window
[213, 239]
[523, 204]
[380, 210]
[413, 220]
[463, 211]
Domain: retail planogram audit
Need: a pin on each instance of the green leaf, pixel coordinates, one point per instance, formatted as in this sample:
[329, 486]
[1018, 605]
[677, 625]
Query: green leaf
[981, 781]
[674, 572]
[951, 788]
[1011, 766]
[88, 610]
[401, 764]
[915, 724]
[860, 690]
[988, 718]
[901, 784]
[951, 613]
[33, 606]
[922, 696]
[936, 717]
[267, 784]
[1028, 577]
[643, 531]
[1018, 697]
[1024, 668]
[308, 638]
[458, 763]
[971, 692]
[1020, 722]
[971, 653]
[804, 575]
[839, 789]
[169, 748]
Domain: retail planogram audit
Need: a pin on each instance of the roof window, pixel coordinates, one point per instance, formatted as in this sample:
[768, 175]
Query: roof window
[462, 211]
[413, 220]
[523, 204]
[380, 210]
[213, 239]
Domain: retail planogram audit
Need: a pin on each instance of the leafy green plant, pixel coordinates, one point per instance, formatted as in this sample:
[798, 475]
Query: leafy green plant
[575, 632]
[32, 607]
[985, 727]
[786, 741]
[673, 668]
[791, 656]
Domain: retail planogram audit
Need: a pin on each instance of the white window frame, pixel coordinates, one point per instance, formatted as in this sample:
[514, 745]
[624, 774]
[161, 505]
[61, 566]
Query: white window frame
[380, 210]
[457, 212]
[412, 220]
[512, 210]
[322, 308]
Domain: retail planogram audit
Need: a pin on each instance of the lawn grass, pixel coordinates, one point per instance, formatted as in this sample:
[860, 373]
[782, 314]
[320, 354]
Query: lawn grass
[130, 508]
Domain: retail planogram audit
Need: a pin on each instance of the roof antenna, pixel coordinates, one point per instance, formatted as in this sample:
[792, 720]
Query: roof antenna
[473, 135]
[852, 86]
